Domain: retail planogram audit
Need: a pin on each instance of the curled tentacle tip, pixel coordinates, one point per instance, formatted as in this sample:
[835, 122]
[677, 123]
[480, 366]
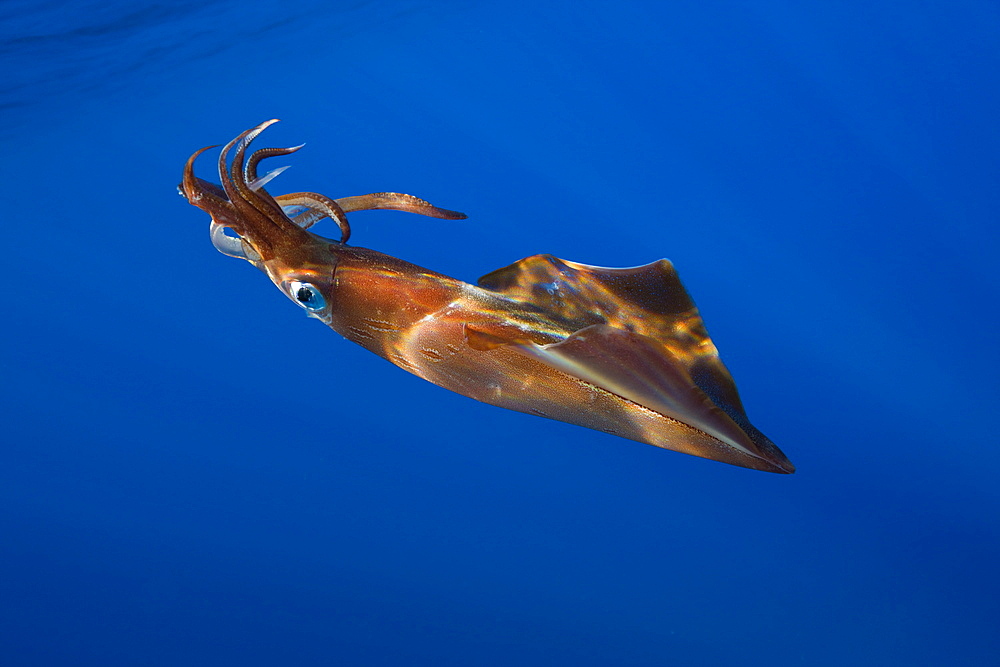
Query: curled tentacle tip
[189, 187]
[194, 156]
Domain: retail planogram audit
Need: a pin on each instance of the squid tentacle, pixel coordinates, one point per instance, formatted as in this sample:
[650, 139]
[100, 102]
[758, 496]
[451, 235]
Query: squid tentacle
[232, 189]
[321, 206]
[261, 181]
[271, 227]
[208, 196]
[243, 204]
[397, 201]
[259, 199]
[250, 170]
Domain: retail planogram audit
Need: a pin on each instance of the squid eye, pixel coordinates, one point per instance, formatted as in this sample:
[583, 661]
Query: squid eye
[307, 296]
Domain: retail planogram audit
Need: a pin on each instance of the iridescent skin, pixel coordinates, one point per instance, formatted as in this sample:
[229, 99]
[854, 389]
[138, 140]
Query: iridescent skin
[622, 351]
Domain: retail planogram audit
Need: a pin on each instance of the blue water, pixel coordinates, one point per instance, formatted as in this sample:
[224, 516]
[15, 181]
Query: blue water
[193, 473]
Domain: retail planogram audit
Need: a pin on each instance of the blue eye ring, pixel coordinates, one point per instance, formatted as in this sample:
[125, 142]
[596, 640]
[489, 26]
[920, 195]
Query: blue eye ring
[307, 296]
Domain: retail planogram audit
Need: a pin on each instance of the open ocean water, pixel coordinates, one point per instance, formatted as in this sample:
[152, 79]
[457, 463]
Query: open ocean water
[193, 473]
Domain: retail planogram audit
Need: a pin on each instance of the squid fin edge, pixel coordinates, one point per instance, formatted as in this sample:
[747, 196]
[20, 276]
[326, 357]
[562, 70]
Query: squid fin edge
[640, 371]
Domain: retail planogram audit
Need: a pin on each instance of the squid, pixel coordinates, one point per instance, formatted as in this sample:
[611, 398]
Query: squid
[618, 350]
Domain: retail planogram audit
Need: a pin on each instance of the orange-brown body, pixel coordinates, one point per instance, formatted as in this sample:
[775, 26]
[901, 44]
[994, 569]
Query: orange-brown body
[622, 351]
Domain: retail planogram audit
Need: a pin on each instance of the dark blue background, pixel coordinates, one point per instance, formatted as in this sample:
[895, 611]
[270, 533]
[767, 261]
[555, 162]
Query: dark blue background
[193, 473]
